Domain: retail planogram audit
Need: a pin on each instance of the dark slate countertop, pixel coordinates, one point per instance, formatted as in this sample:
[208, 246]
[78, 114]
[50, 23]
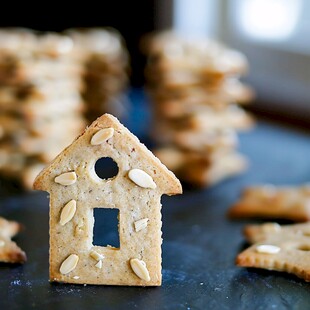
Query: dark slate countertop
[199, 248]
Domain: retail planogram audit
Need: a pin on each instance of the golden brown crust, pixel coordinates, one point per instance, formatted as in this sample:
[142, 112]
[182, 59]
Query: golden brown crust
[274, 203]
[292, 241]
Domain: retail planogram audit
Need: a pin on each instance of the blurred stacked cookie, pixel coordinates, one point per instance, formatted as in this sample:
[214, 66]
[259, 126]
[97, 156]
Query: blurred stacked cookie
[106, 66]
[40, 100]
[46, 86]
[196, 94]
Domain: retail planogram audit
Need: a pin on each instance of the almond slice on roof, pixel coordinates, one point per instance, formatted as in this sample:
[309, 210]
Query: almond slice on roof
[101, 136]
[141, 178]
[67, 178]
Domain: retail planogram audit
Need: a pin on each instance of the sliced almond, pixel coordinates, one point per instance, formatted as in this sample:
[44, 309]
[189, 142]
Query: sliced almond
[69, 264]
[99, 264]
[67, 178]
[141, 178]
[141, 224]
[67, 212]
[96, 256]
[139, 268]
[267, 249]
[101, 136]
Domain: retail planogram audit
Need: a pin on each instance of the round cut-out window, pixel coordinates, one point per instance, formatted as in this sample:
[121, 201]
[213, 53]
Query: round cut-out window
[106, 168]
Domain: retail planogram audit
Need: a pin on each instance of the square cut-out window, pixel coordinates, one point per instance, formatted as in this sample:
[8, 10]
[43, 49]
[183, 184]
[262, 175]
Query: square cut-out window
[106, 231]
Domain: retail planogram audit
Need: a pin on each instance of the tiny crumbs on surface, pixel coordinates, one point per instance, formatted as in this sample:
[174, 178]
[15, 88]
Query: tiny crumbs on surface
[69, 264]
[267, 249]
[67, 178]
[76, 277]
[67, 212]
[141, 178]
[139, 268]
[101, 136]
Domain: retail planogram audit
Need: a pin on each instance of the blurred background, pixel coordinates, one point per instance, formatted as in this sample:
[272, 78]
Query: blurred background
[273, 34]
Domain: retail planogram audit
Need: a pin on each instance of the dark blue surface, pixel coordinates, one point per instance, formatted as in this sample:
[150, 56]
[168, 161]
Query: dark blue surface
[199, 248]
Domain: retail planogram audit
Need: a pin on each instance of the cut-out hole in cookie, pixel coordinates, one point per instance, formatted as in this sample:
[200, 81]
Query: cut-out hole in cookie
[304, 247]
[106, 168]
[105, 231]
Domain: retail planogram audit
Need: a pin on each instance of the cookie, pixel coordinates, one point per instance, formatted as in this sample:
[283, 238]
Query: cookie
[12, 125]
[280, 248]
[48, 78]
[256, 233]
[202, 170]
[29, 174]
[202, 117]
[271, 202]
[207, 57]
[24, 169]
[201, 141]
[75, 190]
[9, 251]
[202, 174]
[101, 41]
[231, 117]
[223, 140]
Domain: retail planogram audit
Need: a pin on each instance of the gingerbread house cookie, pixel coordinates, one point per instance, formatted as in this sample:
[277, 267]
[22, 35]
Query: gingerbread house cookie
[76, 190]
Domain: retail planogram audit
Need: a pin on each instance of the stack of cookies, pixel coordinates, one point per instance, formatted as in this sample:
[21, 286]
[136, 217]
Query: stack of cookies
[196, 94]
[40, 100]
[105, 59]
[49, 84]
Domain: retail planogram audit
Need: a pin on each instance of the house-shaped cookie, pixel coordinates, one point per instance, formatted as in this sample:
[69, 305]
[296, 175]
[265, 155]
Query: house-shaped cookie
[76, 190]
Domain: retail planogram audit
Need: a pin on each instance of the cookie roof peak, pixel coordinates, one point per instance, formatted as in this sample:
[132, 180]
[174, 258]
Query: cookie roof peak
[107, 137]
